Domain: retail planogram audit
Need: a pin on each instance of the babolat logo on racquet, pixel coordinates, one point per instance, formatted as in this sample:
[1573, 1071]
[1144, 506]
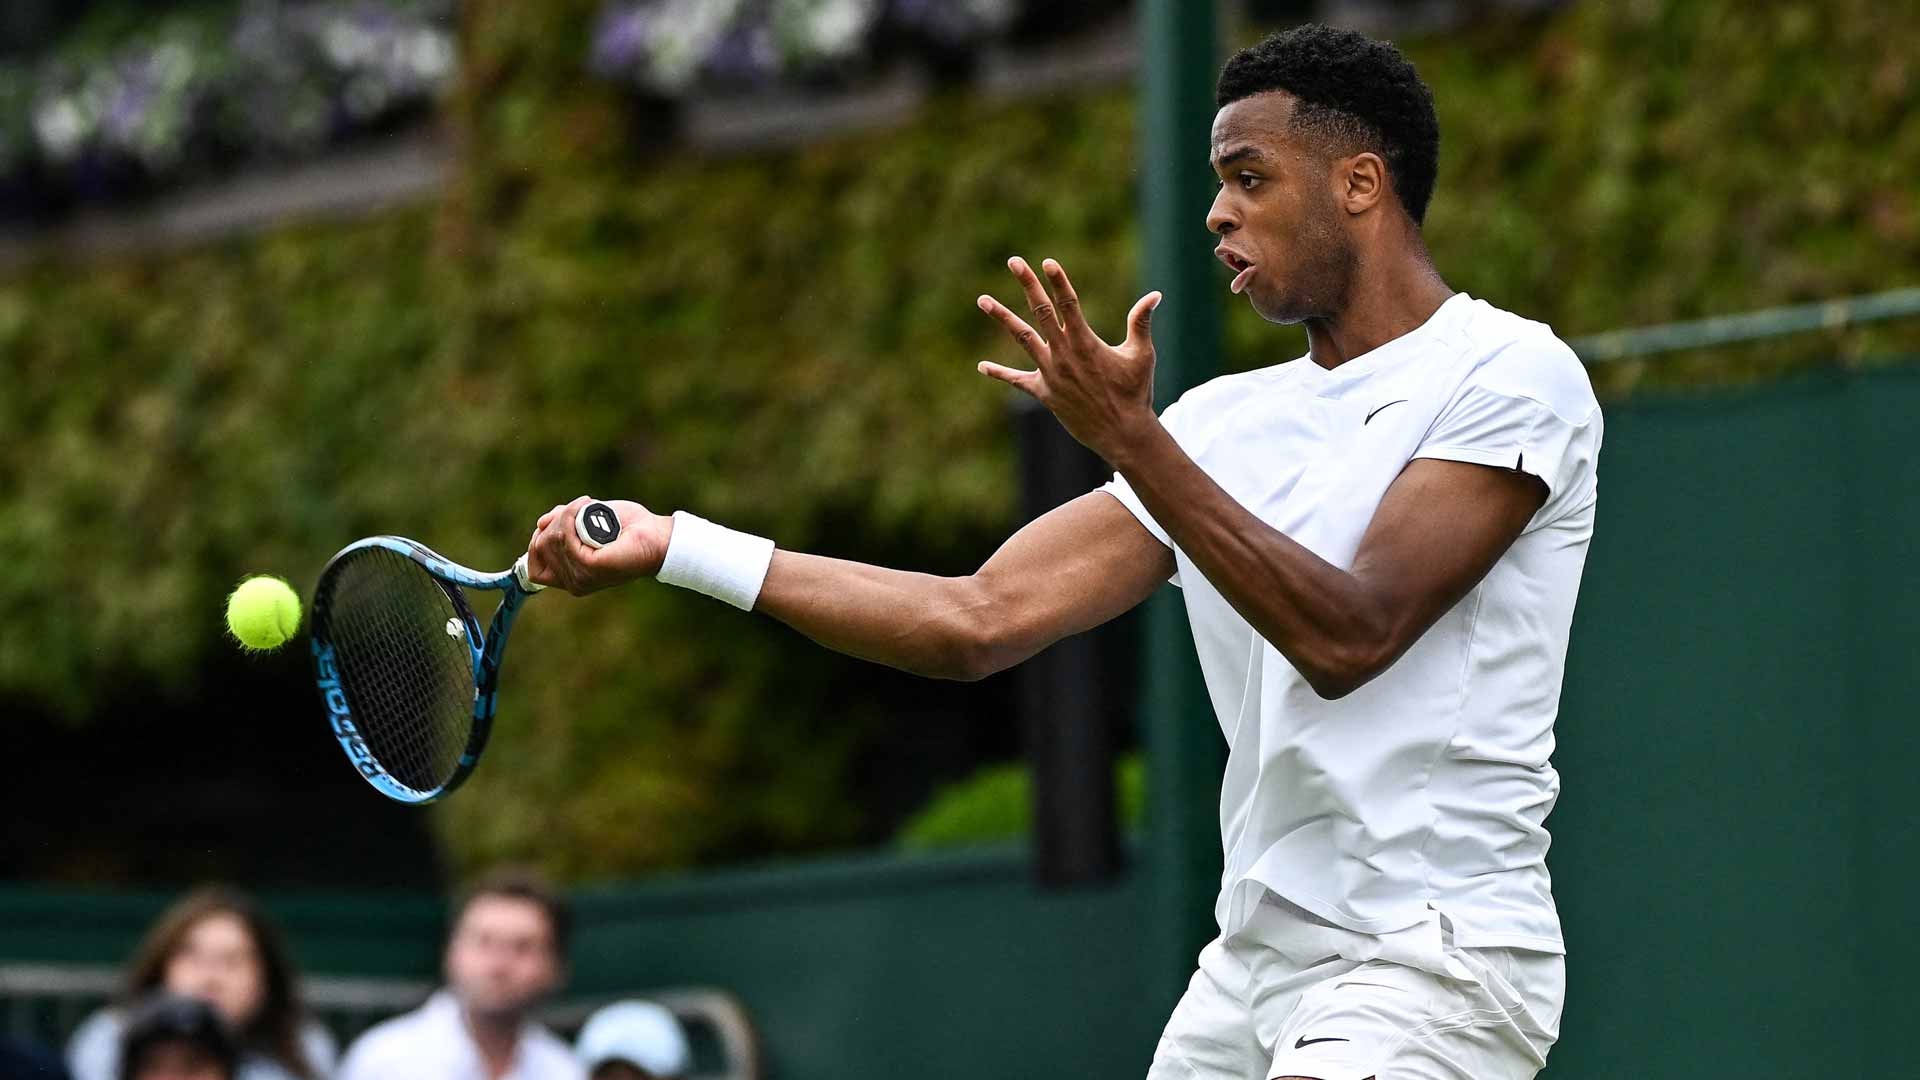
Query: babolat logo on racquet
[405, 672]
[340, 715]
[597, 525]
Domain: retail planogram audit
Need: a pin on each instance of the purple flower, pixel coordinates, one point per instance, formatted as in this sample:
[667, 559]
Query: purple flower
[619, 40]
[745, 56]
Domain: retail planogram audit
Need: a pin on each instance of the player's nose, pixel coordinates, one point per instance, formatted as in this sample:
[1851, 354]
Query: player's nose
[1221, 220]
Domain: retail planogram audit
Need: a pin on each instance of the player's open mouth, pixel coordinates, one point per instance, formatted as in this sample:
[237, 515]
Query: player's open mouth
[1244, 269]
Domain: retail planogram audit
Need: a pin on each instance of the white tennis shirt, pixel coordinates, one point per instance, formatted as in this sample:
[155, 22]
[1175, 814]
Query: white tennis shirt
[434, 1042]
[1424, 793]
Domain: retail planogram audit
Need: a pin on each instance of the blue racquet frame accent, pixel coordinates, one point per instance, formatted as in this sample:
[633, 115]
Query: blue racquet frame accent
[486, 667]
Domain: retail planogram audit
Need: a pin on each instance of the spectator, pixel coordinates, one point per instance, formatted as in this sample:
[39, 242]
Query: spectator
[170, 1037]
[215, 945]
[506, 953]
[633, 1040]
[22, 1060]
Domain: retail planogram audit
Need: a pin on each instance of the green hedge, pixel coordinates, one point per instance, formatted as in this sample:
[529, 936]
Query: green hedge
[785, 342]
[996, 804]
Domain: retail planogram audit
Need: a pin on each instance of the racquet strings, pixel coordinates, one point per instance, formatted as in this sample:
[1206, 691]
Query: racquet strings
[407, 673]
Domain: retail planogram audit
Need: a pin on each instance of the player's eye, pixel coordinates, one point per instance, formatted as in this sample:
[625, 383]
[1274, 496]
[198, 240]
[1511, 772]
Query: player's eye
[1248, 181]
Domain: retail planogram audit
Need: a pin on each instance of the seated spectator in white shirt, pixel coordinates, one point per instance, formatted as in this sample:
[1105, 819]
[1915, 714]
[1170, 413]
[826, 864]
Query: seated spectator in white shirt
[170, 1037]
[215, 944]
[633, 1040]
[505, 955]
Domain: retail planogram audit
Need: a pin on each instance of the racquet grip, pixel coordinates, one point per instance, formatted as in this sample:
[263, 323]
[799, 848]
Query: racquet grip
[520, 575]
[596, 524]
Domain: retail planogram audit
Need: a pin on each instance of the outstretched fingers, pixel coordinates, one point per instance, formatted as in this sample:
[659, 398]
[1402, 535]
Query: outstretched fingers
[1045, 315]
[1023, 335]
[1033, 383]
[1140, 320]
[1071, 317]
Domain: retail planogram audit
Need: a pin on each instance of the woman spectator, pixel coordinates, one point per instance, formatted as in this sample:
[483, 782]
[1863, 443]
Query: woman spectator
[215, 945]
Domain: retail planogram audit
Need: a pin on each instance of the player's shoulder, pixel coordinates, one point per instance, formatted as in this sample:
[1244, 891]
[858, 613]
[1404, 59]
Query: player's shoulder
[1210, 401]
[1514, 356]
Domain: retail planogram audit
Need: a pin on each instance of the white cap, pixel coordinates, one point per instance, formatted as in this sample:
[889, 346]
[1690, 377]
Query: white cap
[638, 1032]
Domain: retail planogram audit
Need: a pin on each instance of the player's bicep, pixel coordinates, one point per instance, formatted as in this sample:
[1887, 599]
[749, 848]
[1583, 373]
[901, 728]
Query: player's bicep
[1071, 569]
[1438, 530]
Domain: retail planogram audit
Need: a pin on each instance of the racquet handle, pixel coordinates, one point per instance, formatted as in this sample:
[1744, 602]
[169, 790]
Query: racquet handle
[520, 575]
[597, 525]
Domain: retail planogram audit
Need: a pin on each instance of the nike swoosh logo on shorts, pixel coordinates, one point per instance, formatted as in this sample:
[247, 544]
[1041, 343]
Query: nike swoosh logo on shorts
[1304, 1041]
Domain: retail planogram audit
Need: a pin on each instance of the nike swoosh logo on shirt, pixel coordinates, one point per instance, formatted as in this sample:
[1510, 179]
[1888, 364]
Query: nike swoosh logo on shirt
[1304, 1041]
[1376, 412]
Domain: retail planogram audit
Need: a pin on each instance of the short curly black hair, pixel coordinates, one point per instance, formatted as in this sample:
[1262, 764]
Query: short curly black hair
[1353, 89]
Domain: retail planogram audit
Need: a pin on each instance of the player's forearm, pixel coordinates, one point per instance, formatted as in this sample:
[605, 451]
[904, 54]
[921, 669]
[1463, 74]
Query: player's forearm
[1320, 617]
[920, 623]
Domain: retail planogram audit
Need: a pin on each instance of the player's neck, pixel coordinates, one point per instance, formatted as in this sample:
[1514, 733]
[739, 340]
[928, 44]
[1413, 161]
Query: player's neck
[1389, 297]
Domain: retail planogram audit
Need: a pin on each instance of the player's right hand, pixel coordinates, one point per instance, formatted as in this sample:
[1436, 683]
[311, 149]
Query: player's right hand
[556, 556]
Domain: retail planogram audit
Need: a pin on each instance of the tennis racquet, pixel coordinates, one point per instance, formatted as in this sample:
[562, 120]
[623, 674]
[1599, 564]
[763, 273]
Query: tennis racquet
[407, 674]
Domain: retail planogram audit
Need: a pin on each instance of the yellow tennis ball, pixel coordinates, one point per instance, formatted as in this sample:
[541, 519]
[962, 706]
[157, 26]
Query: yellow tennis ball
[263, 613]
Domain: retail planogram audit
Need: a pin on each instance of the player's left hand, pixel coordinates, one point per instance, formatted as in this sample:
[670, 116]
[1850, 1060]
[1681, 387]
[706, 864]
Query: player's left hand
[1101, 393]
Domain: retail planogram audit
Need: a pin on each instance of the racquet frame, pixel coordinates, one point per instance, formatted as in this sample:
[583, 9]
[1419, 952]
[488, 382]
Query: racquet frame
[486, 649]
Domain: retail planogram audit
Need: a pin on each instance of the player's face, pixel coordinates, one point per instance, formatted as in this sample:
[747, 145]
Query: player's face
[501, 960]
[218, 963]
[1281, 230]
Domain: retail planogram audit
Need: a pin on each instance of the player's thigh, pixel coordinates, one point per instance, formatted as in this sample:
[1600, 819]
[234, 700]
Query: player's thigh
[1210, 1035]
[1386, 1019]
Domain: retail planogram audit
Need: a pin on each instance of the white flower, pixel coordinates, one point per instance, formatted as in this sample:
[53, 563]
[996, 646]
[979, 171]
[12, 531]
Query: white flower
[684, 33]
[61, 126]
[347, 45]
[431, 53]
[816, 30]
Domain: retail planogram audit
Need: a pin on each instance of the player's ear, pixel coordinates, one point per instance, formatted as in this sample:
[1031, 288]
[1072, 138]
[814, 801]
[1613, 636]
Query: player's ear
[1362, 181]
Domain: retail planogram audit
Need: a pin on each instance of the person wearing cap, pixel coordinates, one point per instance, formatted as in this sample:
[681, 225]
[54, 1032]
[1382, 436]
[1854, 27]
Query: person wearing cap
[633, 1040]
[506, 955]
[172, 1037]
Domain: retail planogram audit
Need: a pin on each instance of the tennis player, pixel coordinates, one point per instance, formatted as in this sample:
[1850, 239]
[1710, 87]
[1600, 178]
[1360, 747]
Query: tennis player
[1379, 545]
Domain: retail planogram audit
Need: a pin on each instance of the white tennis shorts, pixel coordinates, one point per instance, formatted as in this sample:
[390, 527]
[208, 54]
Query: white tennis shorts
[1294, 995]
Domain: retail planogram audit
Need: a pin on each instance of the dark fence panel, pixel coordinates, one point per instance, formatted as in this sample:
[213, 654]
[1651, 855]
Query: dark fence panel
[1735, 736]
[948, 966]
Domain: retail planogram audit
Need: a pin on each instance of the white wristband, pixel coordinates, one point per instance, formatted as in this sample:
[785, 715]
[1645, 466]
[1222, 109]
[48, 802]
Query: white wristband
[716, 560]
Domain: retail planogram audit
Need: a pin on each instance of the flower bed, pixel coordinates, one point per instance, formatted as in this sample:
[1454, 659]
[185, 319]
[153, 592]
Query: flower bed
[674, 48]
[194, 95]
[197, 94]
[671, 47]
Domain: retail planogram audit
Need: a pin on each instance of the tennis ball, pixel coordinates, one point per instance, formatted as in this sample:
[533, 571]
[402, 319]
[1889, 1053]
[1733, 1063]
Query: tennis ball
[263, 613]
